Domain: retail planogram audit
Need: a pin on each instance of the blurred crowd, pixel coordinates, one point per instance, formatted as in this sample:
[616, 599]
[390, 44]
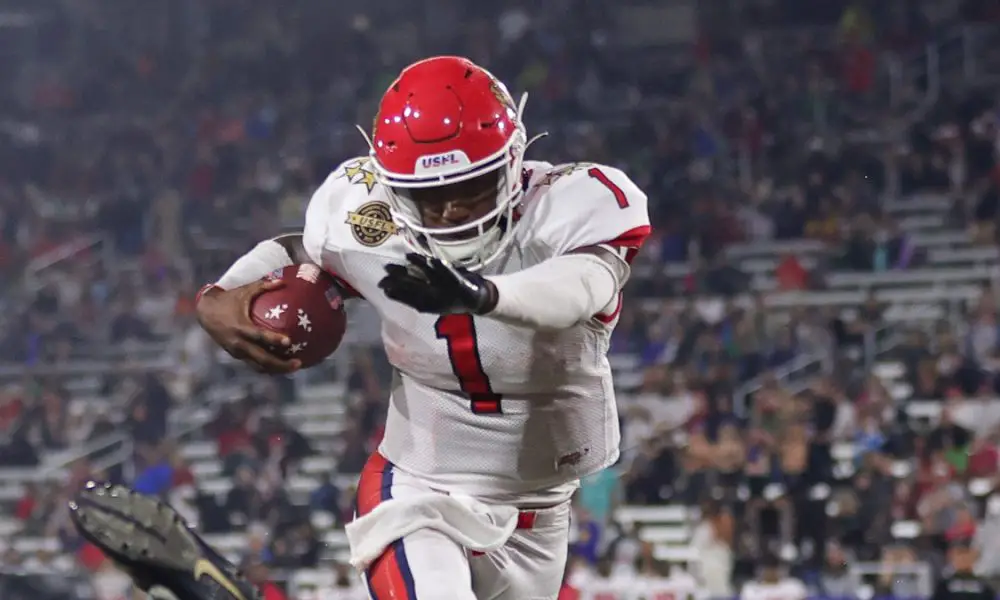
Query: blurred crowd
[116, 204]
[136, 170]
[766, 481]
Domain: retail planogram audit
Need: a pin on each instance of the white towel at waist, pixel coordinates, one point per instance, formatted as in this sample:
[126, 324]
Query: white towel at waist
[470, 523]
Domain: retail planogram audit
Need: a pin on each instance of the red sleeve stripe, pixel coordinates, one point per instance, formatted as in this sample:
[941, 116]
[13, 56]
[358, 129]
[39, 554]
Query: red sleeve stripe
[611, 316]
[631, 240]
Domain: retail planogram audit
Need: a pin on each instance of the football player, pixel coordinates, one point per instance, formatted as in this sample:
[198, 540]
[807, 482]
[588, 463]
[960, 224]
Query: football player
[498, 281]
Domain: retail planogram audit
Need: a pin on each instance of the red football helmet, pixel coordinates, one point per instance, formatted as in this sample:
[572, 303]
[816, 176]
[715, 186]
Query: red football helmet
[446, 120]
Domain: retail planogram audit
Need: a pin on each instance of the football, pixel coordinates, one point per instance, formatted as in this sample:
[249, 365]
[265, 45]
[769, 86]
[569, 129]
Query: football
[308, 309]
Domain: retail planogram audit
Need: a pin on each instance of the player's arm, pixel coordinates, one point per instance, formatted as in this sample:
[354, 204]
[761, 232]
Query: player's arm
[264, 258]
[223, 308]
[594, 223]
[560, 292]
[556, 294]
[289, 249]
[591, 227]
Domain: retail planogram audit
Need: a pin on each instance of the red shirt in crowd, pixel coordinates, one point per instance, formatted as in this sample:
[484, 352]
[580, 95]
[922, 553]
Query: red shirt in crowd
[91, 557]
[791, 274]
[25, 506]
[984, 461]
[859, 69]
[232, 440]
[568, 592]
[272, 592]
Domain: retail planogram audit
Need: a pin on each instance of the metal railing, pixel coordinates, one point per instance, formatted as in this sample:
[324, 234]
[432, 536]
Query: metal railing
[86, 367]
[963, 56]
[932, 91]
[795, 375]
[109, 451]
[56, 465]
[40, 267]
[979, 64]
[878, 341]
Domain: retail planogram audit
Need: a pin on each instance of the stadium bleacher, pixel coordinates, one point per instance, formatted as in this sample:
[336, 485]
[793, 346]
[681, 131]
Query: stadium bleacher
[148, 196]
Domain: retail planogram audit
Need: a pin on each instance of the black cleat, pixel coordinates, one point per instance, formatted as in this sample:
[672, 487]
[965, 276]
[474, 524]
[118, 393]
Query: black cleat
[150, 541]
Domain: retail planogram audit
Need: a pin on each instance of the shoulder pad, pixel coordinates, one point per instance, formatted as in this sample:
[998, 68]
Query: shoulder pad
[587, 204]
[347, 211]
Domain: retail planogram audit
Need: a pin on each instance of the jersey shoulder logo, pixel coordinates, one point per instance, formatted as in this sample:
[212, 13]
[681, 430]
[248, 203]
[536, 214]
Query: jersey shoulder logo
[561, 171]
[372, 223]
[360, 172]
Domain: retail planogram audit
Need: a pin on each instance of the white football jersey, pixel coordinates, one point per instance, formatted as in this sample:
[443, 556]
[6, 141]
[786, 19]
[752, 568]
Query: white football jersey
[788, 588]
[478, 406]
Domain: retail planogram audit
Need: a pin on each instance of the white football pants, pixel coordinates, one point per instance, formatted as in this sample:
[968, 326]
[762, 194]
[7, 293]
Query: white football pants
[429, 565]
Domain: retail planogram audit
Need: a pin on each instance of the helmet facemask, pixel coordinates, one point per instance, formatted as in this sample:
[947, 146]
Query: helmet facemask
[479, 242]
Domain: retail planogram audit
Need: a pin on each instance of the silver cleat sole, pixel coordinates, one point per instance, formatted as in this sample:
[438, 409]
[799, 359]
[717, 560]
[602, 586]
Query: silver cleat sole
[134, 528]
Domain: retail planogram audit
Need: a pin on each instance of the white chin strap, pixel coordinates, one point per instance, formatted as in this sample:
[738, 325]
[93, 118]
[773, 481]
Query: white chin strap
[462, 251]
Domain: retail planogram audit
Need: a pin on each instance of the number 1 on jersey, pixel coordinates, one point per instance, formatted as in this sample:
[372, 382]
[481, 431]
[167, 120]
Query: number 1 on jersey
[618, 193]
[459, 332]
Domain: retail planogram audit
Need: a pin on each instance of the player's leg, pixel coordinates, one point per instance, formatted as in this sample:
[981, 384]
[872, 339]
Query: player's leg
[424, 565]
[531, 565]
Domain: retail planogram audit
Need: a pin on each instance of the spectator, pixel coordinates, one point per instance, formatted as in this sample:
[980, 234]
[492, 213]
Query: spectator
[148, 428]
[327, 497]
[898, 560]
[598, 494]
[835, 580]
[791, 274]
[588, 544]
[157, 478]
[713, 539]
[963, 582]
[259, 575]
[986, 540]
[242, 498]
[623, 550]
[346, 585]
[111, 584]
[771, 583]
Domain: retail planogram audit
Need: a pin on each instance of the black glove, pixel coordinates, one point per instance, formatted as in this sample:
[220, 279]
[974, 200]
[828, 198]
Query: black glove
[431, 285]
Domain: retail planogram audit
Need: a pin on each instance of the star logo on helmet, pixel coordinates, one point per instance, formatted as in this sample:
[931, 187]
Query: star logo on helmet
[501, 94]
[358, 172]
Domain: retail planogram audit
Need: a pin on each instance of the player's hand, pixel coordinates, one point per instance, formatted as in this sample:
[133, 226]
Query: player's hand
[225, 316]
[431, 285]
